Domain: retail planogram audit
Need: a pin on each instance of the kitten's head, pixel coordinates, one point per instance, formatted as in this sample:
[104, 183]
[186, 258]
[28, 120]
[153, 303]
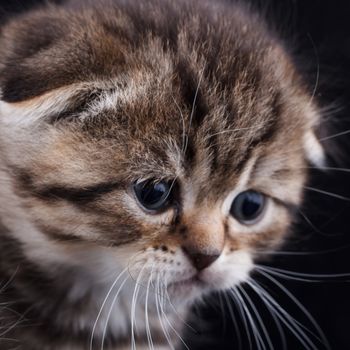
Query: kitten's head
[172, 144]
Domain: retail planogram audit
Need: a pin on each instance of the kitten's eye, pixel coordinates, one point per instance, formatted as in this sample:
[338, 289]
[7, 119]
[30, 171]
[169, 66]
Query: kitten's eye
[154, 196]
[248, 206]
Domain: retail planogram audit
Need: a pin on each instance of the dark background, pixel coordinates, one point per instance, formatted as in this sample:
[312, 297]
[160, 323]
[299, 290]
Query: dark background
[318, 34]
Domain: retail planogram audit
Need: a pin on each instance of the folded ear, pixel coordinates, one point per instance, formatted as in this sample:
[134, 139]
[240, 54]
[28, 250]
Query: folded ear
[47, 50]
[27, 57]
[314, 149]
[53, 62]
[49, 106]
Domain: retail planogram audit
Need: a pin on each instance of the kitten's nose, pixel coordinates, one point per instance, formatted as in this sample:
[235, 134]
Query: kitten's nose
[200, 260]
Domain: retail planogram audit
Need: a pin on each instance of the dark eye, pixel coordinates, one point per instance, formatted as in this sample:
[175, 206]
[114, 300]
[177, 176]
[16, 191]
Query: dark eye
[248, 206]
[154, 196]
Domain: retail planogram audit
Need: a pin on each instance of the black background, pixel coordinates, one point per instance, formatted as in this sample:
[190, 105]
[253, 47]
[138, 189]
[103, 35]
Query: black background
[318, 33]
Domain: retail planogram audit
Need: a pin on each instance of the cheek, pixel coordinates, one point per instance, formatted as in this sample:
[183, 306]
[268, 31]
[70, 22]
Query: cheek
[269, 232]
[229, 270]
[161, 262]
[86, 222]
[271, 237]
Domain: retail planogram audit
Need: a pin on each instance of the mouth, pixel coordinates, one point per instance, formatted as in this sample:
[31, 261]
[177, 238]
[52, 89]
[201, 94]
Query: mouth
[193, 281]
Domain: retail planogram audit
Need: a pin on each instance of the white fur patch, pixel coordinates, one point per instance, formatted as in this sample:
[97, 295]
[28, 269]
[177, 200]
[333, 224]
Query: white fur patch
[109, 101]
[314, 150]
[26, 113]
[29, 112]
[229, 270]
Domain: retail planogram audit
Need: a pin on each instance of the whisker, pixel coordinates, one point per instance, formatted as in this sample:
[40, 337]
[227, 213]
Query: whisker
[165, 331]
[15, 324]
[300, 306]
[169, 323]
[223, 310]
[237, 302]
[345, 132]
[102, 307]
[281, 158]
[177, 314]
[110, 311]
[286, 319]
[133, 308]
[310, 223]
[334, 195]
[11, 339]
[129, 262]
[301, 274]
[345, 170]
[8, 282]
[272, 313]
[303, 254]
[258, 340]
[193, 108]
[260, 321]
[292, 278]
[233, 318]
[183, 126]
[148, 331]
[318, 68]
[171, 187]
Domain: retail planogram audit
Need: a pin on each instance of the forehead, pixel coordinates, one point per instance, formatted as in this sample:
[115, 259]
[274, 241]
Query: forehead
[159, 95]
[153, 132]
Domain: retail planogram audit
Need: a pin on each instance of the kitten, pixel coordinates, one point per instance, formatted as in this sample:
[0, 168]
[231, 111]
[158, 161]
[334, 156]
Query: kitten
[148, 151]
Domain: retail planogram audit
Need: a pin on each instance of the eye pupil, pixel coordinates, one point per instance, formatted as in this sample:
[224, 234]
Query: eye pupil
[248, 206]
[152, 195]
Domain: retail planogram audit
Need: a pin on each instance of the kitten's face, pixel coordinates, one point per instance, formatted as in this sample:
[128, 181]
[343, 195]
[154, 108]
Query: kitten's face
[139, 155]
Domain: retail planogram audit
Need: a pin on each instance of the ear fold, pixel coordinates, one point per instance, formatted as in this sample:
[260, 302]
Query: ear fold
[46, 50]
[314, 150]
[49, 105]
[26, 57]
[48, 62]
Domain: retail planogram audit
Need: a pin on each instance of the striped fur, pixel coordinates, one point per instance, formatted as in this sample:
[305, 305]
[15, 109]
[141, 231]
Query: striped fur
[98, 95]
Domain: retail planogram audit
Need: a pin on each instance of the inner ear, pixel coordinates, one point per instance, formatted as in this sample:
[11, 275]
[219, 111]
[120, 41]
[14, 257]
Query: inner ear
[314, 150]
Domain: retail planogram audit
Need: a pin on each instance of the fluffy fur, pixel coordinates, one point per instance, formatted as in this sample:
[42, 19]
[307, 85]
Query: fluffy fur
[97, 96]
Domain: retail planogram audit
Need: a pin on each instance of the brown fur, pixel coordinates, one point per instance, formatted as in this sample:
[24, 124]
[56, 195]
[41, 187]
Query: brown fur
[114, 92]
